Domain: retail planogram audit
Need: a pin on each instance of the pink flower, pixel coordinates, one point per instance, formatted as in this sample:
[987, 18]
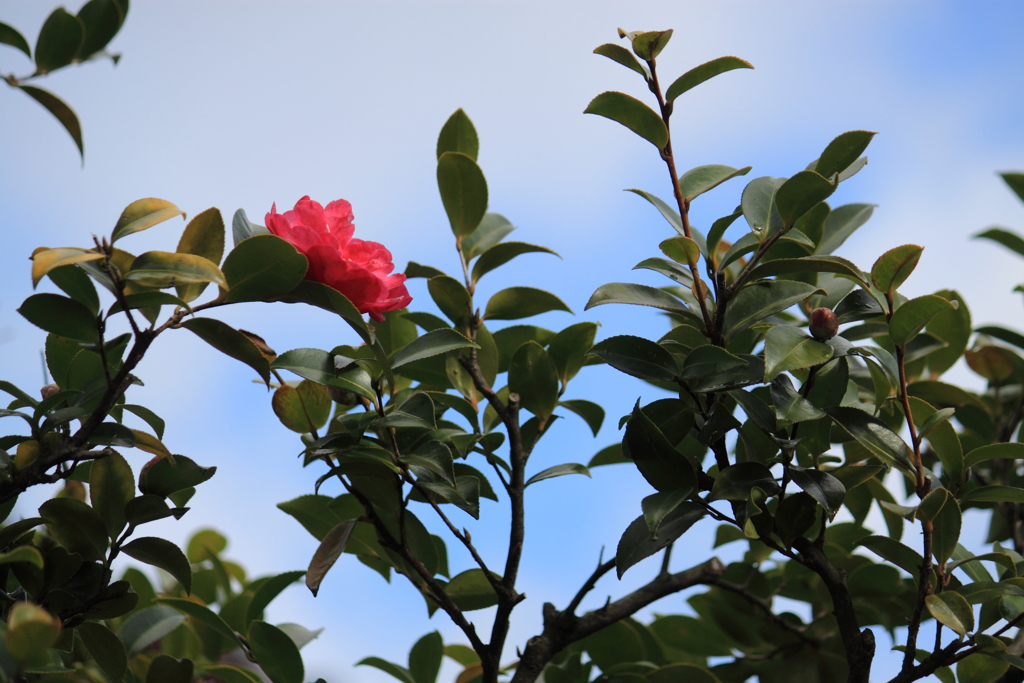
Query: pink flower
[358, 269]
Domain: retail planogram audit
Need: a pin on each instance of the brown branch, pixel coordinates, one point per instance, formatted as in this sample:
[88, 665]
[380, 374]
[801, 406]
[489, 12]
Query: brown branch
[564, 628]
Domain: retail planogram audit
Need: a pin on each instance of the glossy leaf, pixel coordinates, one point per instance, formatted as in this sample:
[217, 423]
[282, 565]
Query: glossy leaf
[458, 135]
[842, 152]
[697, 75]
[759, 209]
[708, 362]
[894, 266]
[399, 672]
[145, 627]
[242, 228]
[105, 648]
[952, 610]
[111, 487]
[636, 543]
[163, 554]
[658, 506]
[102, 20]
[822, 486]
[701, 179]
[790, 348]
[842, 222]
[800, 194]
[59, 39]
[910, 318]
[758, 300]
[164, 478]
[533, 375]
[638, 357]
[1008, 239]
[276, 653]
[230, 342]
[50, 259]
[942, 437]
[736, 481]
[570, 347]
[515, 303]
[76, 526]
[791, 406]
[631, 113]
[62, 112]
[61, 316]
[268, 590]
[994, 451]
[591, 413]
[463, 191]
[451, 297]
[202, 614]
[664, 468]
[953, 327]
[431, 344]
[558, 471]
[262, 268]
[203, 236]
[164, 269]
[493, 228]
[142, 214]
[501, 254]
[872, 434]
[639, 295]
[10, 36]
[304, 408]
[681, 249]
[993, 494]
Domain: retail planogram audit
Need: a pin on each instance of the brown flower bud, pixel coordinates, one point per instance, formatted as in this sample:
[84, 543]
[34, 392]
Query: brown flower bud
[823, 324]
[49, 390]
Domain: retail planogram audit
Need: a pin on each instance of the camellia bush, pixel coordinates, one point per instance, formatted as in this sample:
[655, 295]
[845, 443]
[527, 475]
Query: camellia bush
[796, 387]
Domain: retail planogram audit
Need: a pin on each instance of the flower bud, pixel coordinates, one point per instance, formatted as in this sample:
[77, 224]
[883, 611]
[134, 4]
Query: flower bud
[823, 324]
[49, 390]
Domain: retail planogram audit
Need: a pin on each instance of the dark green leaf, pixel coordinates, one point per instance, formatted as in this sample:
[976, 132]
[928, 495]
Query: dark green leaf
[463, 191]
[164, 477]
[658, 506]
[458, 135]
[76, 284]
[800, 194]
[790, 348]
[841, 223]
[471, 590]
[164, 269]
[532, 375]
[910, 318]
[62, 316]
[631, 113]
[709, 361]
[76, 526]
[609, 455]
[758, 300]
[1008, 239]
[994, 451]
[569, 348]
[870, 432]
[320, 366]
[399, 672]
[697, 181]
[699, 74]
[230, 342]
[163, 554]
[425, 658]
[59, 39]
[102, 20]
[736, 481]
[167, 669]
[591, 413]
[493, 228]
[821, 486]
[105, 648]
[993, 494]
[147, 626]
[664, 468]
[790, 405]
[111, 487]
[639, 295]
[200, 613]
[330, 299]
[558, 471]
[262, 268]
[894, 266]
[10, 36]
[842, 152]
[758, 203]
[62, 112]
[614, 52]
[515, 303]
[276, 653]
[636, 543]
[638, 357]
[451, 297]
[810, 264]
[501, 254]
[431, 344]
[327, 554]
[242, 229]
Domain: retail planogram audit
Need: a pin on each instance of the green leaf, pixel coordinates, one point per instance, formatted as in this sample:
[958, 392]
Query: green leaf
[105, 648]
[463, 192]
[872, 434]
[790, 348]
[841, 223]
[263, 268]
[669, 269]
[313, 513]
[148, 299]
[842, 152]
[76, 526]
[320, 367]
[1008, 239]
[953, 327]
[492, 229]
[102, 20]
[912, 316]
[532, 375]
[62, 112]
[232, 674]
[791, 406]
[658, 506]
[895, 552]
[431, 344]
[451, 297]
[636, 543]
[934, 425]
[142, 214]
[736, 481]
[327, 554]
[800, 194]
[952, 610]
[163, 554]
[811, 264]
[501, 254]
[894, 267]
[670, 214]
[664, 468]
[145, 627]
[701, 179]
[709, 361]
[471, 590]
[682, 250]
[425, 658]
[242, 229]
[758, 300]
[276, 653]
[558, 471]
[304, 408]
[638, 357]
[609, 455]
[515, 303]
[203, 236]
[758, 203]
[164, 478]
[330, 299]
[61, 316]
[993, 494]
[77, 285]
[631, 113]
[399, 672]
[202, 614]
[164, 269]
[697, 75]
[10, 36]
[28, 554]
[614, 52]
[994, 451]
[111, 487]
[591, 413]
[268, 590]
[458, 135]
[983, 667]
[941, 508]
[59, 39]
[822, 486]
[570, 347]
[230, 342]
[648, 44]
[639, 295]
[50, 259]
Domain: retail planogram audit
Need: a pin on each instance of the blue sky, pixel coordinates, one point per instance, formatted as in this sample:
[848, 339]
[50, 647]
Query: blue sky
[241, 104]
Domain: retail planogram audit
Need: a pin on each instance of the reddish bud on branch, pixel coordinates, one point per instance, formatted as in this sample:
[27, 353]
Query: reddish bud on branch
[823, 324]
